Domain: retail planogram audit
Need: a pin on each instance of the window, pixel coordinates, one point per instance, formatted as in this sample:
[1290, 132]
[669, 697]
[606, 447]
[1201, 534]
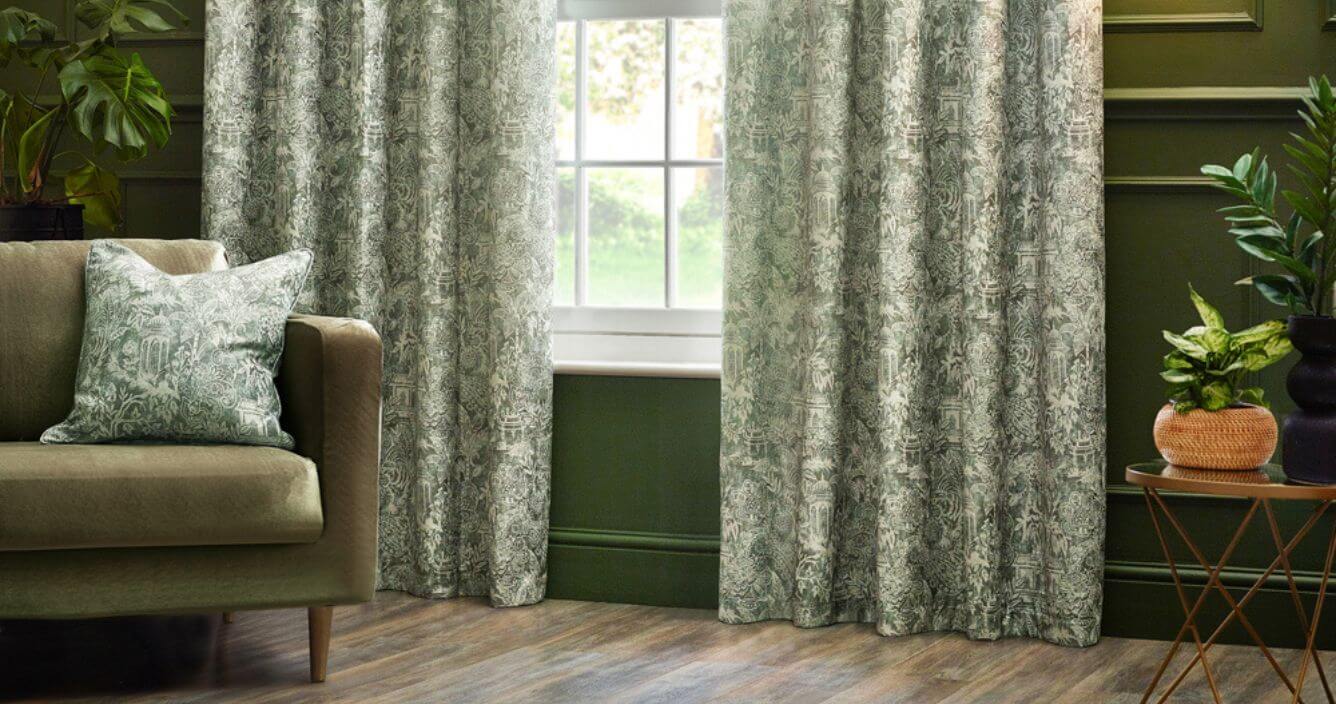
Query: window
[640, 176]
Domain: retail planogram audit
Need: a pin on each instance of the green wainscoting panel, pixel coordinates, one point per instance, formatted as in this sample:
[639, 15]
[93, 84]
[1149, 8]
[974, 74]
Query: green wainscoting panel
[1183, 16]
[635, 490]
[635, 473]
[636, 454]
[1290, 45]
[633, 576]
[1139, 604]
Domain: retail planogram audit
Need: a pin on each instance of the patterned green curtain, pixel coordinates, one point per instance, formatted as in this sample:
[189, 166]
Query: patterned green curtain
[913, 381]
[409, 144]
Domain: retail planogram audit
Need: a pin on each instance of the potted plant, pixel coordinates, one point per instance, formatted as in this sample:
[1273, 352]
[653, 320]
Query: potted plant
[1212, 420]
[1300, 246]
[86, 89]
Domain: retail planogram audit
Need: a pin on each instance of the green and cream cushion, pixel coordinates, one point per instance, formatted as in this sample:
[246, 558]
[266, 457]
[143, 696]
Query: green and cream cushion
[188, 358]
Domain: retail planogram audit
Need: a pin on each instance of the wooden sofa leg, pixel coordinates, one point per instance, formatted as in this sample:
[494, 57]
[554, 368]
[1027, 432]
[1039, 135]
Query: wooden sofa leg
[319, 619]
[229, 616]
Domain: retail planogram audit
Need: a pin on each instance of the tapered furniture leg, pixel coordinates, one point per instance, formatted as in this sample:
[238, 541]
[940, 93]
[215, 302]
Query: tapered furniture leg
[229, 616]
[319, 619]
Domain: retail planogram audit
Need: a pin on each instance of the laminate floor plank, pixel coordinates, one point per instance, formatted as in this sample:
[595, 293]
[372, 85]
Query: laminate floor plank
[403, 649]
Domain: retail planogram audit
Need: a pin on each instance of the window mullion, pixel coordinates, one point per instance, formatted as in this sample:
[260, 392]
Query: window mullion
[581, 181]
[669, 214]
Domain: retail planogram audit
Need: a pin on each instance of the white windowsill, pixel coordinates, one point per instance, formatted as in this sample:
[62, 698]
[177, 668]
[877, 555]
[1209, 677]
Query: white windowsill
[646, 342]
[669, 370]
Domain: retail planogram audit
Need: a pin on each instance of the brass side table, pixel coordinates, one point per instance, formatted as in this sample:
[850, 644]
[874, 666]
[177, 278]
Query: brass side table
[1261, 485]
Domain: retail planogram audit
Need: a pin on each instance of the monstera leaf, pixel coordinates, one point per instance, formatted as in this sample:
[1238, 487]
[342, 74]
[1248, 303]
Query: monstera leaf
[100, 193]
[118, 102]
[17, 25]
[123, 16]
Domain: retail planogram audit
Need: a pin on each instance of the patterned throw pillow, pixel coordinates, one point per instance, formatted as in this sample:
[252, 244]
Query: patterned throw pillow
[188, 358]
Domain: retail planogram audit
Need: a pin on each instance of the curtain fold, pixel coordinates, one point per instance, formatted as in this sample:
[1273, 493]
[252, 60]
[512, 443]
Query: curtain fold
[913, 377]
[409, 144]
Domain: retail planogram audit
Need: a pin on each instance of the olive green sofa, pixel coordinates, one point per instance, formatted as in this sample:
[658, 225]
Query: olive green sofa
[105, 530]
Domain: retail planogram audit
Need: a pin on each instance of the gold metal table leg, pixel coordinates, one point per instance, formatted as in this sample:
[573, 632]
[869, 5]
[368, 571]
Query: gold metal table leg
[1236, 607]
[1191, 615]
[1309, 652]
[1294, 595]
[1253, 591]
[1235, 611]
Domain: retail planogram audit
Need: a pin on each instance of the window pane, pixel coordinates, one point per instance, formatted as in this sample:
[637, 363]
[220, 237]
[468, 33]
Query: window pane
[698, 195]
[626, 237]
[624, 89]
[698, 89]
[565, 93]
[564, 295]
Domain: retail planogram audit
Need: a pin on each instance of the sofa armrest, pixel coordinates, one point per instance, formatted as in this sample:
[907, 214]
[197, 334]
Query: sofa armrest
[330, 385]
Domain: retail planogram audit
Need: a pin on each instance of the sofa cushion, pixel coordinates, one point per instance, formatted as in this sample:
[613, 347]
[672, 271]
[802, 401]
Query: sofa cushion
[42, 316]
[187, 358]
[56, 497]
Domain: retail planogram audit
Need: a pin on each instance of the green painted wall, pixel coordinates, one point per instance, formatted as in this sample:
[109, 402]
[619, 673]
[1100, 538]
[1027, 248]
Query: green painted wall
[635, 469]
[1238, 56]
[635, 490]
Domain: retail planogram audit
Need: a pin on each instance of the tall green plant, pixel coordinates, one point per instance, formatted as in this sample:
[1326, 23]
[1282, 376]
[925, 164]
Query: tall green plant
[108, 99]
[1299, 244]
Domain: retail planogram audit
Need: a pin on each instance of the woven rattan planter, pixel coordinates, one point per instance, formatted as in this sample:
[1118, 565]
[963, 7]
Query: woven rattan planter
[1239, 438]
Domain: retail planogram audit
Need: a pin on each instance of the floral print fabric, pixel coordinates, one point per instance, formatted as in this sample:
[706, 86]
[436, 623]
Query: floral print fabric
[188, 358]
[409, 143]
[913, 380]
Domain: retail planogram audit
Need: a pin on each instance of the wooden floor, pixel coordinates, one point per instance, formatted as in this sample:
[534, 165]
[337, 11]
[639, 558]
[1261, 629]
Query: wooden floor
[402, 649]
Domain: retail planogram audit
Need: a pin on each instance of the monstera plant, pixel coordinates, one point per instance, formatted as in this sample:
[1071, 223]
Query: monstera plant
[87, 98]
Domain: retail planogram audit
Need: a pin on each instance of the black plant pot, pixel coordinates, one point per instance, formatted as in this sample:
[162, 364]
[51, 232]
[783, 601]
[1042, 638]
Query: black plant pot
[1310, 432]
[24, 223]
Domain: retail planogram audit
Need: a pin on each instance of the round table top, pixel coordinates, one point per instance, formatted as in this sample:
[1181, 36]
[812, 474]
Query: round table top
[1265, 482]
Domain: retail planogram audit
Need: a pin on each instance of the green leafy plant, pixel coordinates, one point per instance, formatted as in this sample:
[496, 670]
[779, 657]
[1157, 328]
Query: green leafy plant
[1299, 243]
[109, 99]
[1209, 365]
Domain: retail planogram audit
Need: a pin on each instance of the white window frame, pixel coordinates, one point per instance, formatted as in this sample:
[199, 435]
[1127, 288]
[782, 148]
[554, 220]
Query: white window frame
[626, 341]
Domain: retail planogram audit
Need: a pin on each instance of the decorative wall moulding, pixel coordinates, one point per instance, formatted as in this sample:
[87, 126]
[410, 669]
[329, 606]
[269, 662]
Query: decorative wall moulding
[189, 106]
[633, 540]
[1204, 103]
[1158, 184]
[1183, 16]
[1240, 577]
[182, 37]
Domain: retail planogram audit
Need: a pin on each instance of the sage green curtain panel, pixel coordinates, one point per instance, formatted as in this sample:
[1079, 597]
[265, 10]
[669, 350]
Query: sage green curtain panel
[408, 143]
[913, 380]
